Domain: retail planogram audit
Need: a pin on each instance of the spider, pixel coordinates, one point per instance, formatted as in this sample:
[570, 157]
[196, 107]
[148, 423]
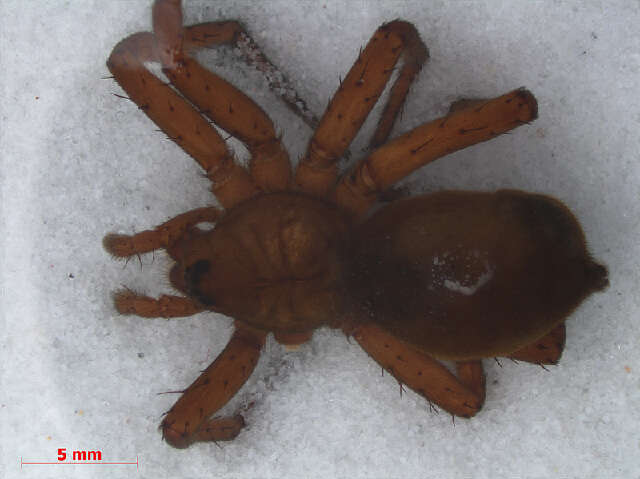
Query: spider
[452, 275]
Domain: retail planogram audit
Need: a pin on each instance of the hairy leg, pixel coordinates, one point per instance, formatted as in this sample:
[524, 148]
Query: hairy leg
[163, 236]
[464, 127]
[216, 98]
[461, 396]
[358, 92]
[547, 350]
[211, 34]
[471, 374]
[166, 306]
[178, 119]
[188, 420]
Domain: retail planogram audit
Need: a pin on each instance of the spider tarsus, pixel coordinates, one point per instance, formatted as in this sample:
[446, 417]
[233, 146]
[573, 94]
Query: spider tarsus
[497, 361]
[117, 245]
[122, 300]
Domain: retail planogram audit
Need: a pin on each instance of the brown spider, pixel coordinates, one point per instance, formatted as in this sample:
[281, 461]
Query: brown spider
[452, 275]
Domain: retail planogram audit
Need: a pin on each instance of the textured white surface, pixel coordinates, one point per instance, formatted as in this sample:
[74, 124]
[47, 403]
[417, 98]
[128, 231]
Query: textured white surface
[78, 162]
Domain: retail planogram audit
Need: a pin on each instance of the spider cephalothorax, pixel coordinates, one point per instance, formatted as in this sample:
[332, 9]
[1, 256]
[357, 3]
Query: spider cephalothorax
[271, 262]
[452, 275]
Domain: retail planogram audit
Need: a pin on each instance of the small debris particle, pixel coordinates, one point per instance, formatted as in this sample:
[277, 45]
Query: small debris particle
[141, 355]
[627, 369]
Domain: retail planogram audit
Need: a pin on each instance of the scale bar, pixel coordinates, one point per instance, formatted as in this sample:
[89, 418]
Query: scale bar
[24, 463]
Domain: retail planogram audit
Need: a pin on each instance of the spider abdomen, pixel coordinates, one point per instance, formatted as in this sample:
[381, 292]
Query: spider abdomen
[270, 261]
[465, 275]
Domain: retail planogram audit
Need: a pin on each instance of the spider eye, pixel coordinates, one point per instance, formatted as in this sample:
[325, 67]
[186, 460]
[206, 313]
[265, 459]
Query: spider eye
[198, 268]
[192, 276]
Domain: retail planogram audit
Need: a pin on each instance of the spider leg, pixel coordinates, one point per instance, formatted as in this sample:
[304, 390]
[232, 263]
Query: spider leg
[471, 374]
[188, 420]
[358, 92]
[166, 306]
[178, 119]
[547, 350]
[207, 35]
[220, 101]
[163, 236]
[464, 127]
[462, 395]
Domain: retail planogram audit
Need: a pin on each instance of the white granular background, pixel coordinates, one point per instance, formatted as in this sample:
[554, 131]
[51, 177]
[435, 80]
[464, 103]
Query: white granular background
[78, 162]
